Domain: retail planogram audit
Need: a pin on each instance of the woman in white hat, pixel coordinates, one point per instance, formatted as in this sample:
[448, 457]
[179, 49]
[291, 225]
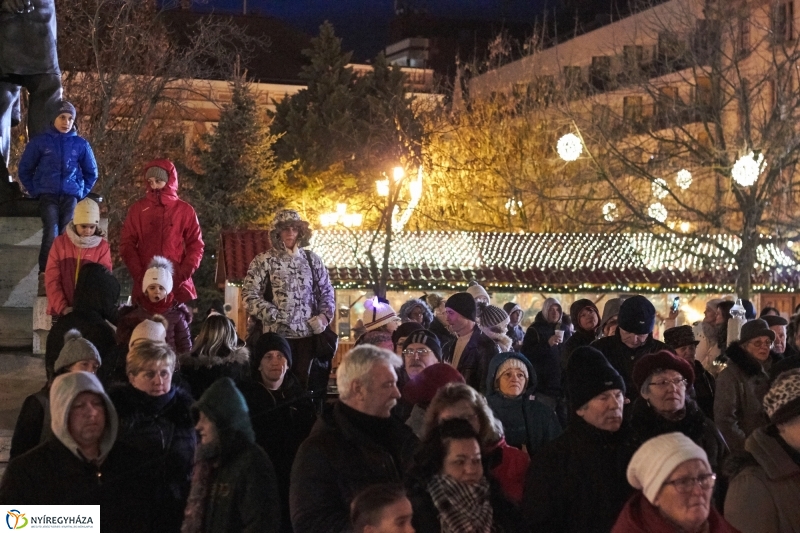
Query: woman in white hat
[675, 483]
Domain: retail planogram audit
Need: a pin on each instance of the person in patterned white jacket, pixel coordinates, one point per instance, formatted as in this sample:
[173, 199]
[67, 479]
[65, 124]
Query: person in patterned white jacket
[288, 289]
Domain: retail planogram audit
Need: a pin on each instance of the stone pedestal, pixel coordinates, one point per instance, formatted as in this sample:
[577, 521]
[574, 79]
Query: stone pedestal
[42, 322]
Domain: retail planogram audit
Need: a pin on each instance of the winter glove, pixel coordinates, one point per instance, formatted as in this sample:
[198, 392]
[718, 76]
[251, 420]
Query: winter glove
[318, 323]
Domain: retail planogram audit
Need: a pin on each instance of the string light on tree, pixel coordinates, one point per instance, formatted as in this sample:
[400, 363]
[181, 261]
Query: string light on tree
[683, 179]
[569, 147]
[747, 168]
[610, 211]
[659, 188]
[511, 206]
[657, 211]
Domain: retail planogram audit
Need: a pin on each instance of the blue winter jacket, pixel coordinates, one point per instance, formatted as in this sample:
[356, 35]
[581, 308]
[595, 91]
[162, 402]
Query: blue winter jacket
[58, 163]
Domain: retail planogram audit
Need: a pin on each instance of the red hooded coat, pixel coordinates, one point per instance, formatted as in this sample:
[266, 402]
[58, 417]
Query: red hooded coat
[162, 224]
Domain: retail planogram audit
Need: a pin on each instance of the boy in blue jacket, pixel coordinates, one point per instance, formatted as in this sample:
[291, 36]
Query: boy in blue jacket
[59, 168]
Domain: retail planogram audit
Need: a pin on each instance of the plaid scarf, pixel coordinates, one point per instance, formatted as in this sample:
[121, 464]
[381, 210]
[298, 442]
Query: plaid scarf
[463, 508]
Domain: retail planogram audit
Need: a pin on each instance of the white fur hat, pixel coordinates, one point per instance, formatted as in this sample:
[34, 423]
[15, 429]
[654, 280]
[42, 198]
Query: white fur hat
[656, 459]
[86, 212]
[160, 272]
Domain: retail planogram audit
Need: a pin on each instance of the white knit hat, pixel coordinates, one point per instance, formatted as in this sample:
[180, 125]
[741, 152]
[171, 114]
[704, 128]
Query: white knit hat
[512, 362]
[151, 330]
[377, 314]
[656, 459]
[476, 291]
[160, 272]
[86, 212]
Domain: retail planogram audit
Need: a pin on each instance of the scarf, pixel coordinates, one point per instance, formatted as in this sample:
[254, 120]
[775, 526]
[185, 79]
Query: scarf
[204, 467]
[463, 508]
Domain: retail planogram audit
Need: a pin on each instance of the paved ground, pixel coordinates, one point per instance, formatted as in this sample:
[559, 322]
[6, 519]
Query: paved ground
[21, 374]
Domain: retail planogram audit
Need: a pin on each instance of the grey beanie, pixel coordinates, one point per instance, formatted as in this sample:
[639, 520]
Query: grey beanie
[156, 172]
[75, 349]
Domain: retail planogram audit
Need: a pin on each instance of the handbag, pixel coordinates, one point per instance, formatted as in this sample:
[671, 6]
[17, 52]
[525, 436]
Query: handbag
[325, 343]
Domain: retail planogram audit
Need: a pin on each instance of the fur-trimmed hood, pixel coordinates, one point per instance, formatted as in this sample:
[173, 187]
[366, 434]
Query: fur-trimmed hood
[239, 356]
[409, 306]
[744, 361]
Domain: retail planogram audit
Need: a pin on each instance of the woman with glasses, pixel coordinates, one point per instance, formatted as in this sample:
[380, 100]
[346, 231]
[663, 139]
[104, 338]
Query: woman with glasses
[529, 424]
[744, 382]
[664, 407]
[674, 482]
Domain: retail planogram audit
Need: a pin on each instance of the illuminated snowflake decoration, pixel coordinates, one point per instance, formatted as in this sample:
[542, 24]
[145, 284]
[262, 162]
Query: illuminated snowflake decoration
[569, 147]
[747, 168]
[657, 211]
[683, 179]
[659, 188]
[610, 211]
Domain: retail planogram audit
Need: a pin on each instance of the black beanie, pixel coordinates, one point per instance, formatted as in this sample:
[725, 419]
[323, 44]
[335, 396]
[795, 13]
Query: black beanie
[637, 315]
[464, 304]
[428, 338]
[268, 342]
[588, 374]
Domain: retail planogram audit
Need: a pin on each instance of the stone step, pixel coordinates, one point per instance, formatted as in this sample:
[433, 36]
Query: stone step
[5, 448]
[20, 231]
[15, 327]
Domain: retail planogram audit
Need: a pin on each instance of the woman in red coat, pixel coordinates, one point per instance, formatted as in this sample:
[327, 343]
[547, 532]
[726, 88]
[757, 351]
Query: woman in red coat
[162, 224]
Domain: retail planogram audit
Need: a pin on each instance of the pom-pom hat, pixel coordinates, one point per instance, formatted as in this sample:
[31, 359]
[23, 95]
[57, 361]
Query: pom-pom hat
[377, 313]
[159, 272]
[76, 349]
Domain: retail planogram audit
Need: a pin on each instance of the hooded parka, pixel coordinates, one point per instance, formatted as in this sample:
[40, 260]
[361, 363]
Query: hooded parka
[162, 224]
[526, 421]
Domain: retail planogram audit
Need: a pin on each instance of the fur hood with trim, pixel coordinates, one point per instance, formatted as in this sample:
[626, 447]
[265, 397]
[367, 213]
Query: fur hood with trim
[63, 392]
[408, 306]
[239, 356]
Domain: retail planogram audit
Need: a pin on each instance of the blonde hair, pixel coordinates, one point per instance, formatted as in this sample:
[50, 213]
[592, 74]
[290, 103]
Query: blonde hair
[146, 352]
[491, 429]
[217, 332]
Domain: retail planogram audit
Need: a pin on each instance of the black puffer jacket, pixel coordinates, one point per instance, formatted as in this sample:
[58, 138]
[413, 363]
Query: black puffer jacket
[338, 460]
[162, 429]
[623, 358]
[646, 424]
[474, 361]
[577, 483]
[281, 419]
[96, 296]
[200, 371]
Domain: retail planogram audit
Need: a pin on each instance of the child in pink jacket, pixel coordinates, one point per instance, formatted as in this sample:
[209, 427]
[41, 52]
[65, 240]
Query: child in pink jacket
[82, 242]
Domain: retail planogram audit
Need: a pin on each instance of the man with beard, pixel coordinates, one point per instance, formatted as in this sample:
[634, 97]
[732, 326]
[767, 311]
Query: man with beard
[355, 443]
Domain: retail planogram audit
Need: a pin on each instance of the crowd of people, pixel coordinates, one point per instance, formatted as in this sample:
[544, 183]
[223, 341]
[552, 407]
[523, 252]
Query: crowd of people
[450, 415]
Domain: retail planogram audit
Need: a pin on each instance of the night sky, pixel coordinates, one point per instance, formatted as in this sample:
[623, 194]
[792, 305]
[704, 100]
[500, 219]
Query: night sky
[363, 25]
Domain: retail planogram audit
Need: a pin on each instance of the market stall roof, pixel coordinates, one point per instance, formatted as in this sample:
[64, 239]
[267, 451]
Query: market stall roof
[550, 262]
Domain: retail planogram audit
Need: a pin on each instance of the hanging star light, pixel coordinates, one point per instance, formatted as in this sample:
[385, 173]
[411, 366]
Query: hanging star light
[659, 188]
[610, 211]
[569, 147]
[657, 211]
[683, 179]
[747, 168]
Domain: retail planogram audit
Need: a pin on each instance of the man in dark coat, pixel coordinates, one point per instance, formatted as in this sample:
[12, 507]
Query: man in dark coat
[472, 350]
[281, 410]
[681, 342]
[28, 58]
[577, 482]
[96, 297]
[356, 443]
[81, 464]
[542, 346]
[632, 340]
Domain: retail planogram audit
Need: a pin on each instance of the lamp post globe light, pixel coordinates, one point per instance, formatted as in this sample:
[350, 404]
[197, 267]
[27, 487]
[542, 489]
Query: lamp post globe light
[657, 211]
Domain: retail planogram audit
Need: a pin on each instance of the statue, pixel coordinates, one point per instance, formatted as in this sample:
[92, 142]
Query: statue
[29, 59]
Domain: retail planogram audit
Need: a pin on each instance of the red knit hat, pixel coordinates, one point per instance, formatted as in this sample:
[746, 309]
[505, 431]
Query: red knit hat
[663, 360]
[422, 388]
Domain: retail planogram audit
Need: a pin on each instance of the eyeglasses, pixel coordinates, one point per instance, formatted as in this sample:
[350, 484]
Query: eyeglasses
[761, 344]
[685, 485]
[419, 352]
[677, 382]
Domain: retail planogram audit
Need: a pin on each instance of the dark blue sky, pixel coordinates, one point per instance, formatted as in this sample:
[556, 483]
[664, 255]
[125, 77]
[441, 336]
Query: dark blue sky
[364, 24]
